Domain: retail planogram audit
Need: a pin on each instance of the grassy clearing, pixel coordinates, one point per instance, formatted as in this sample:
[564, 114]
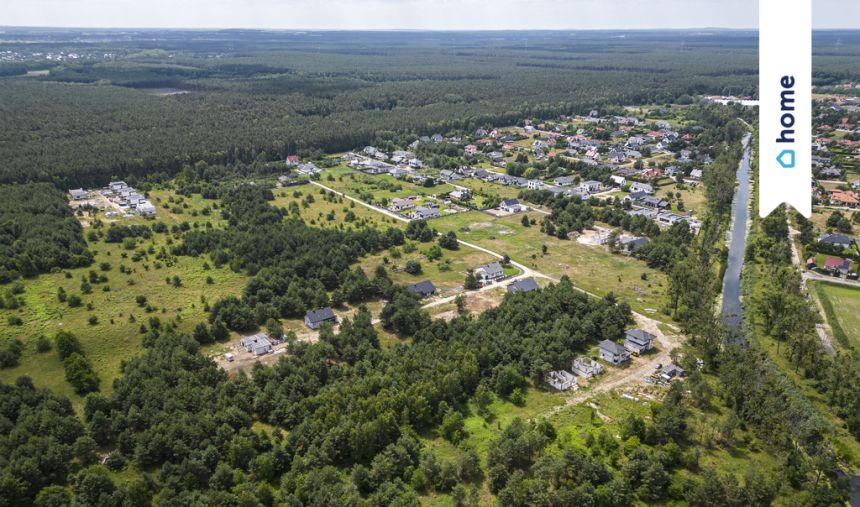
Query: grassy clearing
[842, 308]
[334, 212]
[693, 198]
[380, 186]
[115, 337]
[447, 273]
[591, 268]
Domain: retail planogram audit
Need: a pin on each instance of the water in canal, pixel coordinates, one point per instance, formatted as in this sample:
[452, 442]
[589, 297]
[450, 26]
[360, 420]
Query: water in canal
[737, 247]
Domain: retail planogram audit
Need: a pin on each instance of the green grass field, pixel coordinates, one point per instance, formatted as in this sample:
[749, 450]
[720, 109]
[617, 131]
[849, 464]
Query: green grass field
[842, 308]
[330, 213]
[591, 268]
[116, 336]
[447, 273]
[693, 198]
[380, 186]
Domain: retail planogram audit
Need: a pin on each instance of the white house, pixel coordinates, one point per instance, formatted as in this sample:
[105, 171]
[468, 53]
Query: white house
[641, 187]
[591, 186]
[490, 272]
[619, 181]
[511, 206]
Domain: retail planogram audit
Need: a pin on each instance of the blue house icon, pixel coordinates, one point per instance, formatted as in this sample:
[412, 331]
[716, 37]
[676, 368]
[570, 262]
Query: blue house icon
[786, 159]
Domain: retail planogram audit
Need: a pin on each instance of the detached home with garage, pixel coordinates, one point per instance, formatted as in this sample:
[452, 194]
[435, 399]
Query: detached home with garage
[490, 272]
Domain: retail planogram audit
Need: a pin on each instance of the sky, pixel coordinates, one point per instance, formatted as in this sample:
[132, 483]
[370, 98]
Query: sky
[408, 14]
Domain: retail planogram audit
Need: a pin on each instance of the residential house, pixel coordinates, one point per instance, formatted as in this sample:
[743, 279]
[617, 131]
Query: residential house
[613, 353]
[293, 160]
[560, 380]
[586, 367]
[654, 202]
[461, 194]
[641, 187]
[840, 240]
[495, 156]
[615, 156]
[490, 272]
[535, 184]
[437, 138]
[257, 344]
[370, 151]
[564, 181]
[511, 206]
[78, 194]
[424, 213]
[838, 265]
[117, 186]
[844, 198]
[591, 186]
[414, 163]
[448, 175]
[424, 288]
[634, 142]
[635, 155]
[830, 172]
[696, 174]
[315, 318]
[638, 341]
[524, 285]
[618, 181]
[471, 149]
[400, 204]
[309, 169]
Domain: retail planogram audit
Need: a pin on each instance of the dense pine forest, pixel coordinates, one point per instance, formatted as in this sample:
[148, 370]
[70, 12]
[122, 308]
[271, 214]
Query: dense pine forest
[263, 95]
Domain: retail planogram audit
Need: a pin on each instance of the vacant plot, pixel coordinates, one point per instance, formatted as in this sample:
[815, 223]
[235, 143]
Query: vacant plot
[320, 208]
[693, 197]
[819, 220]
[591, 268]
[447, 273]
[379, 188]
[109, 319]
[842, 307]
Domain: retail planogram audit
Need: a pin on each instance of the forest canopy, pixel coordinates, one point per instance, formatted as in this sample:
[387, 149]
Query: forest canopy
[38, 232]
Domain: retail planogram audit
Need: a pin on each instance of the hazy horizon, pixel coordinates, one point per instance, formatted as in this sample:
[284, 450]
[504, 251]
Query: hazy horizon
[409, 15]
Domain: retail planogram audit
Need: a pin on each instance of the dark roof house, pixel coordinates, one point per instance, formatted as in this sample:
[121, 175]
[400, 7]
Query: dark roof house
[424, 288]
[524, 285]
[315, 318]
